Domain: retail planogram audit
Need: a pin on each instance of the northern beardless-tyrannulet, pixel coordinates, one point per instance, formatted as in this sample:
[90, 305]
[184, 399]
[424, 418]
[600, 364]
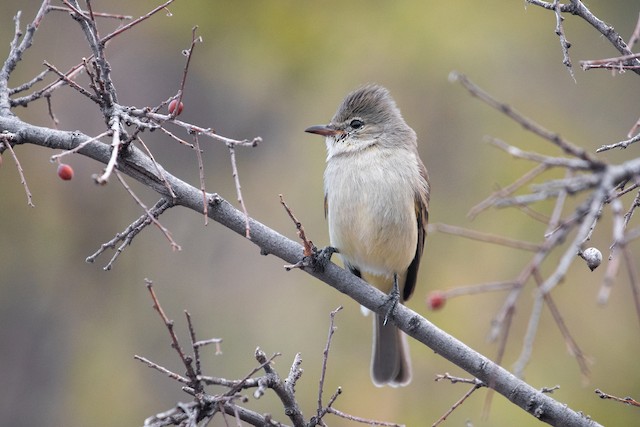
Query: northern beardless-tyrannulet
[376, 203]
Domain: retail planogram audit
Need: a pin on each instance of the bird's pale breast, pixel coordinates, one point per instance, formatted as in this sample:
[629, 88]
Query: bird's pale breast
[371, 212]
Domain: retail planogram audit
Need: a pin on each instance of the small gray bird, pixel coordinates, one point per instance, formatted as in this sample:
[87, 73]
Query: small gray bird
[376, 203]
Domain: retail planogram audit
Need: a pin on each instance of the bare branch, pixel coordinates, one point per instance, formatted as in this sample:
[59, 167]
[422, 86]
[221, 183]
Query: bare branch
[127, 236]
[504, 192]
[577, 8]
[626, 400]
[320, 410]
[150, 215]
[6, 139]
[564, 43]
[597, 178]
[483, 237]
[476, 385]
[525, 122]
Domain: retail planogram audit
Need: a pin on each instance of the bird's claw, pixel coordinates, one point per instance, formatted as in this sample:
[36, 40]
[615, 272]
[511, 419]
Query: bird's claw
[392, 301]
[317, 261]
[321, 258]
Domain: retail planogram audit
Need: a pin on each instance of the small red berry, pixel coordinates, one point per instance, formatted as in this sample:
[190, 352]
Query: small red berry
[436, 300]
[172, 107]
[65, 171]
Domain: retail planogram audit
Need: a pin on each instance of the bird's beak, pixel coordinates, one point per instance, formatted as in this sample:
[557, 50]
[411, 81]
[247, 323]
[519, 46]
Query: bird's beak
[324, 130]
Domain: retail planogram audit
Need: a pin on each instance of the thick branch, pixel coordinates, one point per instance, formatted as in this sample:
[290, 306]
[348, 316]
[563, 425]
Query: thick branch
[137, 165]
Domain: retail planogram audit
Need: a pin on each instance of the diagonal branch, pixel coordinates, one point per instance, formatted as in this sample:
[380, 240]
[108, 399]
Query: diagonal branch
[140, 167]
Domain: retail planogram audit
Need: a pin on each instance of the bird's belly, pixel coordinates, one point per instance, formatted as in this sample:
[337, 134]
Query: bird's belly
[375, 231]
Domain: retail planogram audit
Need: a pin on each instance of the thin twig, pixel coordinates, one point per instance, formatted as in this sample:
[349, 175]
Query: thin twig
[361, 420]
[550, 161]
[635, 36]
[320, 410]
[196, 147]
[308, 247]
[28, 85]
[79, 147]
[181, 141]
[621, 144]
[7, 144]
[476, 385]
[162, 369]
[116, 143]
[626, 400]
[564, 43]
[236, 180]
[175, 344]
[96, 14]
[73, 84]
[634, 277]
[506, 191]
[572, 346]
[130, 233]
[54, 119]
[17, 47]
[188, 53]
[525, 122]
[195, 348]
[483, 237]
[529, 337]
[577, 8]
[150, 215]
[136, 21]
[479, 288]
[159, 168]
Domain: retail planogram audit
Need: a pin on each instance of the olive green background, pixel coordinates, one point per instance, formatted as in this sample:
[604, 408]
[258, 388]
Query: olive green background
[69, 330]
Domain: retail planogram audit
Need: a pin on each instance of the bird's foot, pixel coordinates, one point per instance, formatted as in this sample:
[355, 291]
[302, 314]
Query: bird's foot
[321, 258]
[316, 261]
[392, 300]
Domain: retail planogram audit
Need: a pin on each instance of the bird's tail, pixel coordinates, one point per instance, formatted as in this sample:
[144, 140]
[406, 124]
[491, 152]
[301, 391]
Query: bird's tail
[390, 362]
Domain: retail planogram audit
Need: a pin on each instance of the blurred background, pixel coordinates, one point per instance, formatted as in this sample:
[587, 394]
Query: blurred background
[69, 330]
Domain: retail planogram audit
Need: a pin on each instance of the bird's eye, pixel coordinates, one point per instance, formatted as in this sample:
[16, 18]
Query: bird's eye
[356, 124]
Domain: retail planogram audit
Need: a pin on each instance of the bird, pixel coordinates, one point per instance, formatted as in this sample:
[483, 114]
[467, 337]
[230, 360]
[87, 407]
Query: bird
[376, 200]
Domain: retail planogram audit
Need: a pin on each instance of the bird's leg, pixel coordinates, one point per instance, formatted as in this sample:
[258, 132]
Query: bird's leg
[392, 300]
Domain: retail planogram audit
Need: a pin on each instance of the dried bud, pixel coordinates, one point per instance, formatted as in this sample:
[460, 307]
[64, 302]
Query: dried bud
[592, 256]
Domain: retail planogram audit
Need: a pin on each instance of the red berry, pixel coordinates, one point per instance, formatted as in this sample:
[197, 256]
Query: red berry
[436, 300]
[65, 171]
[172, 107]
